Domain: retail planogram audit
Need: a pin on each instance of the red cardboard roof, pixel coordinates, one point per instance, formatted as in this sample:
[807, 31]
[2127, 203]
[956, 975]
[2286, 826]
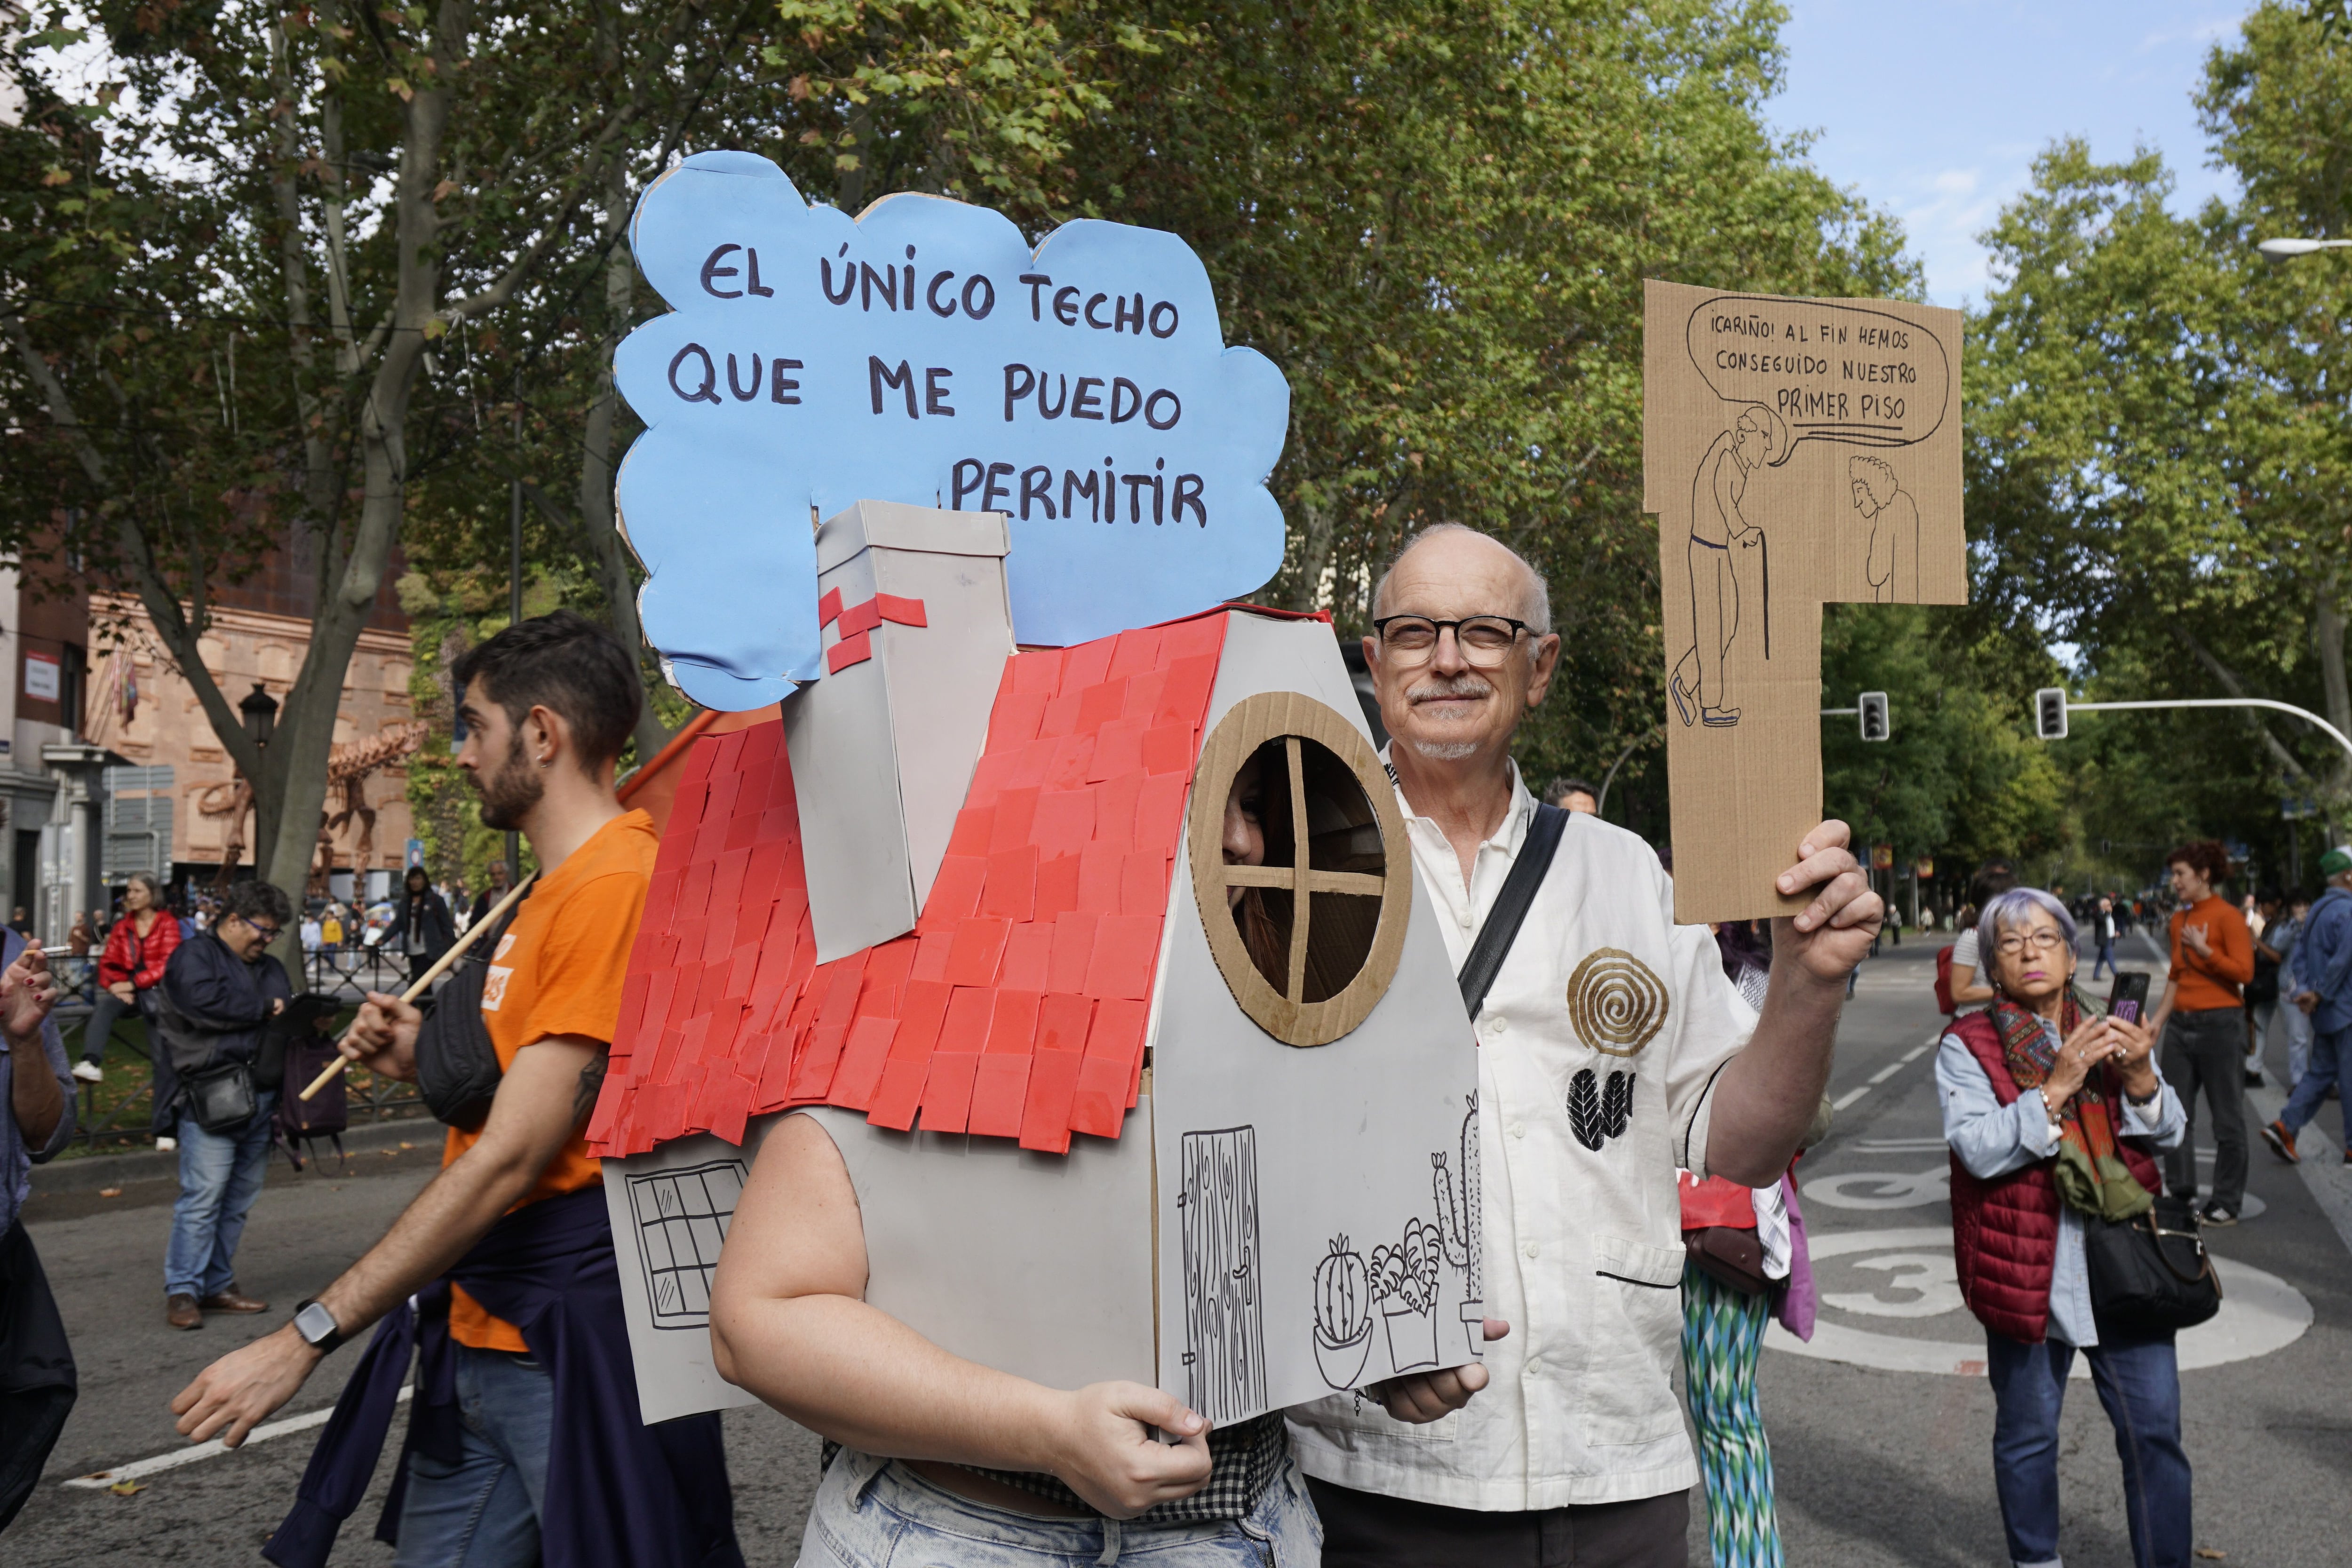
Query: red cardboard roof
[1017, 1007]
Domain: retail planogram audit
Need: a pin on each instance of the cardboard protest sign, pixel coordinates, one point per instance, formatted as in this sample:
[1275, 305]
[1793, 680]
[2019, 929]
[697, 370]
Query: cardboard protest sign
[923, 352]
[1796, 453]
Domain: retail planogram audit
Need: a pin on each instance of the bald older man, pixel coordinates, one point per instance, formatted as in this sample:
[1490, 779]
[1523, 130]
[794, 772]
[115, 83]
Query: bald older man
[1611, 1050]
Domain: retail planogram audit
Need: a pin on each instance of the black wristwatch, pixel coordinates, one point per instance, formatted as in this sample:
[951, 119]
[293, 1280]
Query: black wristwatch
[317, 1327]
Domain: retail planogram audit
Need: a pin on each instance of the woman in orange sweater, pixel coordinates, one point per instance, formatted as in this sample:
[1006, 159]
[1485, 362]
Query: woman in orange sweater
[2202, 1025]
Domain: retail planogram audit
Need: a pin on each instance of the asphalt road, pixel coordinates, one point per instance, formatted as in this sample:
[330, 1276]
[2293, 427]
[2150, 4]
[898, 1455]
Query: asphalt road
[1877, 1462]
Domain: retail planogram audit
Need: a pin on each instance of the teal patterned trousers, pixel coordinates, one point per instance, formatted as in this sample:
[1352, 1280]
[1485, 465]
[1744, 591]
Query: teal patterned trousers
[1723, 1339]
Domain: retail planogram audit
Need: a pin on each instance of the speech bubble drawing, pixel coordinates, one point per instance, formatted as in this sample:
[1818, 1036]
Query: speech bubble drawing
[1826, 371]
[924, 354]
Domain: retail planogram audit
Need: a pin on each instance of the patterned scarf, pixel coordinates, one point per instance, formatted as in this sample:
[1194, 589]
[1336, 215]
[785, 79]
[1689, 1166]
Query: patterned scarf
[2090, 1174]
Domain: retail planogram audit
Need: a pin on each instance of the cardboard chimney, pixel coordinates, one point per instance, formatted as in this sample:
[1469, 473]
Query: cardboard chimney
[1113, 1106]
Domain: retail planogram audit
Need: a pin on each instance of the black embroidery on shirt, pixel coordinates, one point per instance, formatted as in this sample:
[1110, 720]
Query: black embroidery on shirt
[1598, 1112]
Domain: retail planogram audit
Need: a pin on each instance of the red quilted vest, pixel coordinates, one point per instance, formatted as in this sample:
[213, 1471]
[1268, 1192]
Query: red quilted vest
[2005, 1230]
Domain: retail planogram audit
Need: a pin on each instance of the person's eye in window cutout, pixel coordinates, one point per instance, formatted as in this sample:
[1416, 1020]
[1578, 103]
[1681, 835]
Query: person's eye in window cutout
[1245, 823]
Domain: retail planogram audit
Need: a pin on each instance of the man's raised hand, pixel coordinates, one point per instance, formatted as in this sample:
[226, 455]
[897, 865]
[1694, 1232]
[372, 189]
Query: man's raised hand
[28, 991]
[1832, 933]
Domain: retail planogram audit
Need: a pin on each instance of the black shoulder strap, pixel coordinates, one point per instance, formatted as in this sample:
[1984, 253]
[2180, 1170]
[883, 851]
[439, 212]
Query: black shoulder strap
[1502, 926]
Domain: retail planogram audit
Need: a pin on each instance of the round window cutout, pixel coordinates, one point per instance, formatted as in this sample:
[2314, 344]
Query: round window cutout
[1299, 866]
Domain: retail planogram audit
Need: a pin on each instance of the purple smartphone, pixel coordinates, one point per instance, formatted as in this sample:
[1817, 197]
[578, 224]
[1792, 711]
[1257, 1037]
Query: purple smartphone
[2128, 1000]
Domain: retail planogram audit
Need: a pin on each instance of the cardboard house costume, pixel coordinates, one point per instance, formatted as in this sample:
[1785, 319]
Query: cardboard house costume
[1113, 1107]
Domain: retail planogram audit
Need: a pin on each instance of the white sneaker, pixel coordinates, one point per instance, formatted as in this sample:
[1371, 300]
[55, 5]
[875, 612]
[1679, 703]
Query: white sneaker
[167, 1145]
[89, 1071]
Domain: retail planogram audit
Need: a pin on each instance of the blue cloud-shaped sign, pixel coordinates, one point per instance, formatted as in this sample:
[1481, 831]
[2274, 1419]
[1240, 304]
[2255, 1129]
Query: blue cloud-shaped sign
[924, 354]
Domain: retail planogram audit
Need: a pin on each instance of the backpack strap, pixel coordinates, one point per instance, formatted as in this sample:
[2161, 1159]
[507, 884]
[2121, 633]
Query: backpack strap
[1511, 905]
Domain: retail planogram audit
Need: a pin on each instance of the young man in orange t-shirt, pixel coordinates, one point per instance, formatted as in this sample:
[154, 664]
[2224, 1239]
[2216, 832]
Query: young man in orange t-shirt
[2202, 1025]
[512, 1235]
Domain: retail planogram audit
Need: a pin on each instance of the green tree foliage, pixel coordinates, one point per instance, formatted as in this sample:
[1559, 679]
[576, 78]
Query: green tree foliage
[1437, 219]
[2158, 453]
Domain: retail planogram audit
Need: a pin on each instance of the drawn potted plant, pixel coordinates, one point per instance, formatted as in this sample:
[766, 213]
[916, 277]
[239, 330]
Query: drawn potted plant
[1458, 1226]
[1404, 1282]
[1343, 1315]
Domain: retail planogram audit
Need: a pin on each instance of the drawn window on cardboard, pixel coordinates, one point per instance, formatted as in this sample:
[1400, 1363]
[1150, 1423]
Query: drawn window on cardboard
[683, 1217]
[1308, 922]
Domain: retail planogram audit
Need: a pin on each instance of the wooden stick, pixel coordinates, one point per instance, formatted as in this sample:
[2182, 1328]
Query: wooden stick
[457, 951]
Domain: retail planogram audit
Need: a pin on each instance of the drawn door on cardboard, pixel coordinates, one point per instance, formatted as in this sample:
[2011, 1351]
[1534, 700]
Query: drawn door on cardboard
[1225, 1309]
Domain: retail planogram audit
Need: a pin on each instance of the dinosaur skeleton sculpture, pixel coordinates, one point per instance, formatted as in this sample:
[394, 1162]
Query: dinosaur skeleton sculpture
[348, 767]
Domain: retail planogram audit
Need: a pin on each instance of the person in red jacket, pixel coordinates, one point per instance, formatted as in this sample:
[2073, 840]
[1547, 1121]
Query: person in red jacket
[2049, 1108]
[137, 948]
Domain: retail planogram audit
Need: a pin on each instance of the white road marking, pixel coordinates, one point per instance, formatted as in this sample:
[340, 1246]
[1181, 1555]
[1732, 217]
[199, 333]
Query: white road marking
[1849, 1097]
[1915, 1052]
[2261, 1314]
[1889, 1070]
[98, 1480]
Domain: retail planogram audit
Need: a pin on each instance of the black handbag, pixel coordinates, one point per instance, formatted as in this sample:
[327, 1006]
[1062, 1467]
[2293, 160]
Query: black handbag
[222, 1099]
[2150, 1274]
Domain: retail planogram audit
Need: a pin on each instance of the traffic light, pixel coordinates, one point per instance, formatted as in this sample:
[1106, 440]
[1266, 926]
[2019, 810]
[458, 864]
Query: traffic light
[1875, 724]
[2050, 713]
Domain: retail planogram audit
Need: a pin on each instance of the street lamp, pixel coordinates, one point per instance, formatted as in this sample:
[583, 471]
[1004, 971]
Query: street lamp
[2282, 249]
[260, 710]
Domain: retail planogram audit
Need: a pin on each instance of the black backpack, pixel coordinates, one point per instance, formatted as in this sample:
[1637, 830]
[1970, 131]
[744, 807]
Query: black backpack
[458, 1069]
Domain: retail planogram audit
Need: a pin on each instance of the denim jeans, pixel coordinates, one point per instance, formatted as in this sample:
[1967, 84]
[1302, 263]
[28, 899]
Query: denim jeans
[2140, 1382]
[2329, 1049]
[2297, 1024]
[483, 1512]
[873, 1512]
[2106, 960]
[220, 1176]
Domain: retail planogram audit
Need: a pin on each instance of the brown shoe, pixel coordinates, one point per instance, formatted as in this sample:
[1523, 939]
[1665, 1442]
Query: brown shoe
[229, 1300]
[180, 1311]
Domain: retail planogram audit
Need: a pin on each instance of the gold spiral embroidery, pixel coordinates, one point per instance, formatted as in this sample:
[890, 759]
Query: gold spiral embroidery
[1614, 1002]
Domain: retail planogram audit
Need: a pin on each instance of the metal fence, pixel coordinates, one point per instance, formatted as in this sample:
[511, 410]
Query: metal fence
[124, 1120]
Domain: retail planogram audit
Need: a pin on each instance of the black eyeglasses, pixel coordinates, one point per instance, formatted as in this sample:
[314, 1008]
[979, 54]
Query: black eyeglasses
[1482, 640]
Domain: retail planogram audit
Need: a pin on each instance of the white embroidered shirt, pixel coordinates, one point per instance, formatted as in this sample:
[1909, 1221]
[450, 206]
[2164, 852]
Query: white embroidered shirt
[1598, 1046]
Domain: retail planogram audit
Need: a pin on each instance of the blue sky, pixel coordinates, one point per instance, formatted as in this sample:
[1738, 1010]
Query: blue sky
[1933, 110]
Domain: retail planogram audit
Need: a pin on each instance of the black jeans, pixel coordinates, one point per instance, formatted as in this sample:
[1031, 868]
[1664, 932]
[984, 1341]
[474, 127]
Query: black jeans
[1365, 1530]
[2206, 1049]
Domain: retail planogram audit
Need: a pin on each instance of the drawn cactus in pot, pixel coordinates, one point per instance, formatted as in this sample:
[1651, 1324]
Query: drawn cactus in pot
[1404, 1281]
[1458, 1225]
[1343, 1315]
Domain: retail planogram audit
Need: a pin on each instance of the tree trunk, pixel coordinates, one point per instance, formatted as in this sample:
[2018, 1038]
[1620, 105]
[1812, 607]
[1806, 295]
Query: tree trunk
[296, 764]
[609, 551]
[2327, 629]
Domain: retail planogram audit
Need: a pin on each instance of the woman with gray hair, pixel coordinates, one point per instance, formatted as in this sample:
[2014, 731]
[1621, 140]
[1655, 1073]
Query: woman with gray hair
[2049, 1106]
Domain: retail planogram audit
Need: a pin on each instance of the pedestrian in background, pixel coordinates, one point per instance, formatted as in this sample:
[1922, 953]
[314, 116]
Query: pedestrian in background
[2103, 934]
[2201, 1022]
[1970, 983]
[37, 1382]
[1573, 795]
[129, 970]
[80, 939]
[421, 929]
[2324, 993]
[2262, 991]
[489, 898]
[218, 992]
[2048, 1108]
[2292, 1019]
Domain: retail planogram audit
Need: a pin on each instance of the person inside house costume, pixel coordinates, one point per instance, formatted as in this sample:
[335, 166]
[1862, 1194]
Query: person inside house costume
[935, 1452]
[1612, 1048]
[501, 1276]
